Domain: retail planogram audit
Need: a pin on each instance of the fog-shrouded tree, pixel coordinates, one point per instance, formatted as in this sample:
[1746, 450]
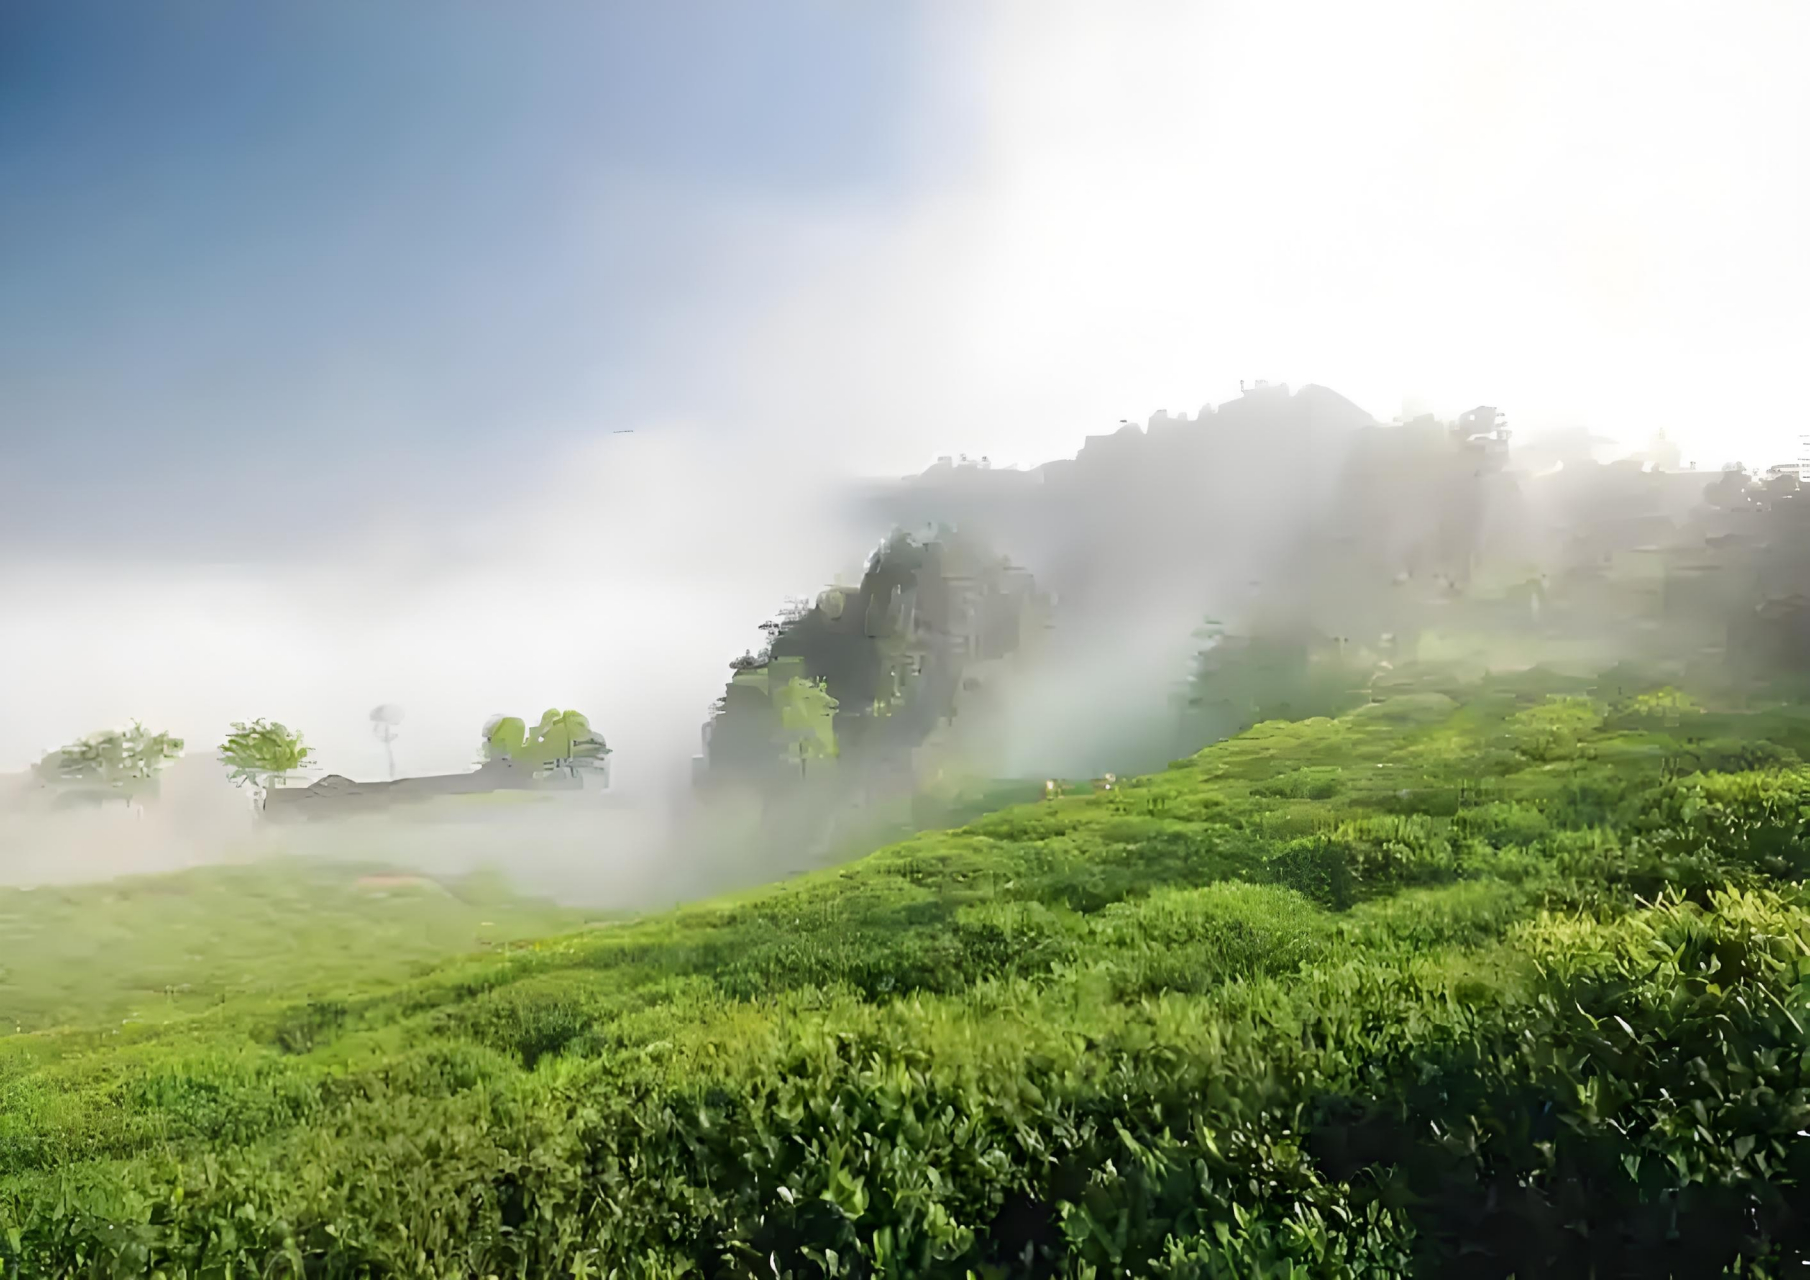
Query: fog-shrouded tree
[386, 722]
[568, 743]
[125, 762]
[505, 738]
[892, 655]
[807, 720]
[563, 742]
[262, 753]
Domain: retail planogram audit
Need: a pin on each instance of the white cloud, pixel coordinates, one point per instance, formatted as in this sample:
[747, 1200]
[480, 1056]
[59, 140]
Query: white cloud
[1580, 214]
[622, 587]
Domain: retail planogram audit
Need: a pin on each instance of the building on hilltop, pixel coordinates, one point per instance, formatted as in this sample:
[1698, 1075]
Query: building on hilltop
[339, 796]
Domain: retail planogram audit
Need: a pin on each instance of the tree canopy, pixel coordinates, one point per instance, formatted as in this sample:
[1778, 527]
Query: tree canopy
[563, 740]
[263, 752]
[123, 760]
[885, 660]
[807, 719]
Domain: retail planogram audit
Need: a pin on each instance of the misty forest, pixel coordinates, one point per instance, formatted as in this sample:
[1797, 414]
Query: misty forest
[1272, 842]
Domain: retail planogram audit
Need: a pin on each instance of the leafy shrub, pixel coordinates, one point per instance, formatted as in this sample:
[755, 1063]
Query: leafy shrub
[1193, 939]
[1503, 823]
[1320, 782]
[537, 1017]
[1012, 938]
[1642, 1114]
[437, 1070]
[1594, 869]
[1466, 914]
[227, 1100]
[1553, 730]
[307, 1026]
[1666, 706]
[1319, 867]
[1188, 808]
[1734, 755]
[1365, 857]
[1752, 820]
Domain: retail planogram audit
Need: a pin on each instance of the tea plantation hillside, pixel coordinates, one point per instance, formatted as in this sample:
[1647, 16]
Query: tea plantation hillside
[150, 948]
[1496, 979]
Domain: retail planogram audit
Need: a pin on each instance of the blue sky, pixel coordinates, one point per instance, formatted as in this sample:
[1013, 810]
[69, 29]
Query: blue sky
[348, 255]
[314, 248]
[318, 317]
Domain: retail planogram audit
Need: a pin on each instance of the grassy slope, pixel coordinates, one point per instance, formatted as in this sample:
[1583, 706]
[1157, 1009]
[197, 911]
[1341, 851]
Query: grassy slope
[153, 948]
[1335, 995]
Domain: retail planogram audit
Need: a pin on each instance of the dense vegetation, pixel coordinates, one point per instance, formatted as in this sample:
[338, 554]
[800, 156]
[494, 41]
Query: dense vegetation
[867, 673]
[1505, 976]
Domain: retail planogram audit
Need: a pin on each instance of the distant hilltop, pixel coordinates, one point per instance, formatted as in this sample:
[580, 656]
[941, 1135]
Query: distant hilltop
[336, 796]
[1158, 513]
[1313, 409]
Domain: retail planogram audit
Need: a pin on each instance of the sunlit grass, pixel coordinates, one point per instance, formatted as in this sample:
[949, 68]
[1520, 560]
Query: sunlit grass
[151, 948]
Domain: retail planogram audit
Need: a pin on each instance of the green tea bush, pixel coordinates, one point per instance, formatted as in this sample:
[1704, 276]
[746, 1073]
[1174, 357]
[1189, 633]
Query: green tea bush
[1642, 1114]
[1503, 823]
[1277, 1024]
[1632, 1107]
[1667, 706]
[1319, 782]
[1554, 730]
[1471, 913]
[1365, 857]
[539, 1016]
[1193, 939]
[1756, 820]
[1014, 937]
[1406, 709]
[1734, 755]
[224, 1099]
[302, 1029]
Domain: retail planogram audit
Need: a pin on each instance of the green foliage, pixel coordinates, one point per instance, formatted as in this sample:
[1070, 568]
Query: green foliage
[149, 949]
[1553, 730]
[887, 655]
[1757, 821]
[123, 760]
[1243, 680]
[807, 719]
[1374, 996]
[263, 752]
[1365, 857]
[563, 740]
[565, 736]
[1319, 782]
[1195, 939]
[1734, 755]
[1664, 706]
[1408, 709]
[506, 738]
[1502, 823]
